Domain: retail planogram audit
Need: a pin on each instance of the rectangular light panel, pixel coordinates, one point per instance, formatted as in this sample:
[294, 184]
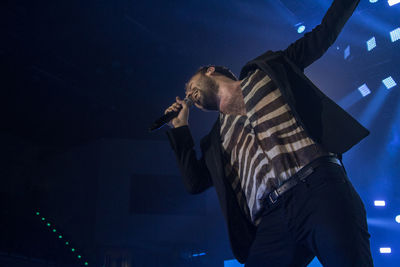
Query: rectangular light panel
[393, 2]
[371, 44]
[395, 35]
[385, 250]
[389, 82]
[364, 90]
[380, 203]
[347, 52]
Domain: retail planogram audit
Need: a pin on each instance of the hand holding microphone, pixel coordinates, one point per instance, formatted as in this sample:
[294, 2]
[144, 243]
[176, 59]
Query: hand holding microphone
[182, 118]
[176, 115]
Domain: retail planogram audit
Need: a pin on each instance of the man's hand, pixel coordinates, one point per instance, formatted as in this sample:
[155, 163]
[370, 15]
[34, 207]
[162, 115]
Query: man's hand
[183, 116]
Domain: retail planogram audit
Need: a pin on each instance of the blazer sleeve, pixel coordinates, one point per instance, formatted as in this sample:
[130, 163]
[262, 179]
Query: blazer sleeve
[195, 174]
[314, 44]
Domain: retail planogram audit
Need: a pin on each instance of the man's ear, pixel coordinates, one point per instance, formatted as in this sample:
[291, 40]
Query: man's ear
[210, 70]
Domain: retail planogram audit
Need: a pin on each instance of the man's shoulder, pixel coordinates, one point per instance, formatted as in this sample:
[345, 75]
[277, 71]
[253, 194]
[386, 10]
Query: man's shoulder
[253, 64]
[268, 55]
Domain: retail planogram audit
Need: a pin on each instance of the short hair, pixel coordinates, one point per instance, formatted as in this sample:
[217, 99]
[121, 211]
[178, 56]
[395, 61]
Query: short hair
[218, 69]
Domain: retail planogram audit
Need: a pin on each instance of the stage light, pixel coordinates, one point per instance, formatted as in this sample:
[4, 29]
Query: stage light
[395, 35]
[232, 263]
[364, 90]
[48, 224]
[347, 52]
[301, 29]
[373, 1]
[393, 2]
[198, 254]
[389, 82]
[398, 218]
[380, 203]
[371, 44]
[385, 250]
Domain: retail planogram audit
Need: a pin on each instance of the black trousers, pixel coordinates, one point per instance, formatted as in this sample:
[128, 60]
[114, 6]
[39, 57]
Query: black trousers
[322, 216]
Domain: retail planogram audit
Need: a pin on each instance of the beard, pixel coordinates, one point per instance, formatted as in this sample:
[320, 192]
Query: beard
[209, 93]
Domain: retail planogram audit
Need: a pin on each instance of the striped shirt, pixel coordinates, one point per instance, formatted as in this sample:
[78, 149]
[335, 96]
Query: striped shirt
[265, 147]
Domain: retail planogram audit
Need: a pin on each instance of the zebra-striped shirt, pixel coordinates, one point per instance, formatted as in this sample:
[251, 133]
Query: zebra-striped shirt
[264, 147]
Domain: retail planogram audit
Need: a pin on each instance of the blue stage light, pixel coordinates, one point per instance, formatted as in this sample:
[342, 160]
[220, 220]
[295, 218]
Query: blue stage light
[232, 263]
[364, 90]
[198, 254]
[398, 218]
[385, 250]
[347, 52]
[393, 2]
[301, 29]
[371, 44]
[389, 82]
[395, 35]
[380, 203]
[373, 1]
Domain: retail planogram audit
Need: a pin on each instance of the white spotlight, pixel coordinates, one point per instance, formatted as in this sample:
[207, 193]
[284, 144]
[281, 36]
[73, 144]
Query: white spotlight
[380, 203]
[393, 2]
[301, 29]
[398, 218]
[385, 250]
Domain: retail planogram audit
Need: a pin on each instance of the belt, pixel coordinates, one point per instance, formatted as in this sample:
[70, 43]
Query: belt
[300, 176]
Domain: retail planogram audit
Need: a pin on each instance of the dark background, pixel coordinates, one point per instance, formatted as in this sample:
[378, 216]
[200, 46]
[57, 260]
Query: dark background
[81, 82]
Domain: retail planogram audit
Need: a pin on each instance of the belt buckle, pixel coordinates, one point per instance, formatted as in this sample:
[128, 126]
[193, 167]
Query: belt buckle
[270, 198]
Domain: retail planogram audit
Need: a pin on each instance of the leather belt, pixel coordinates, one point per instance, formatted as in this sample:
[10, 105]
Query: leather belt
[300, 176]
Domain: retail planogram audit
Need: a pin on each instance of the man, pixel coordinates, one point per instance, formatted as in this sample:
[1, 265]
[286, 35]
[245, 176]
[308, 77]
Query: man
[274, 156]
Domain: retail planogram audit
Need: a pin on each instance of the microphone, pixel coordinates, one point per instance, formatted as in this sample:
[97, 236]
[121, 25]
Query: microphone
[164, 119]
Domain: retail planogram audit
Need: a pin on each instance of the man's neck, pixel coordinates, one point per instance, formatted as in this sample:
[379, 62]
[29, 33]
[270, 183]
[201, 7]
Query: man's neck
[231, 98]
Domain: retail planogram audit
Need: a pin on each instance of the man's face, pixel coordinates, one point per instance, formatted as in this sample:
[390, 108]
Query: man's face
[203, 90]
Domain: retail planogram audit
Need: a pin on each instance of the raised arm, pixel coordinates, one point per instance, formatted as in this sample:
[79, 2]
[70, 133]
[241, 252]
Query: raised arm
[313, 44]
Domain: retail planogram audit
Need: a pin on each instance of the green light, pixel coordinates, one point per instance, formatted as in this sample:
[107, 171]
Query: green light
[79, 256]
[43, 218]
[54, 230]
[67, 243]
[60, 236]
[37, 213]
[48, 224]
[86, 263]
[72, 249]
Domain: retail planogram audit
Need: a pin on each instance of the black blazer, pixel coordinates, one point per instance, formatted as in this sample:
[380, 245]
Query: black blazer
[325, 122]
